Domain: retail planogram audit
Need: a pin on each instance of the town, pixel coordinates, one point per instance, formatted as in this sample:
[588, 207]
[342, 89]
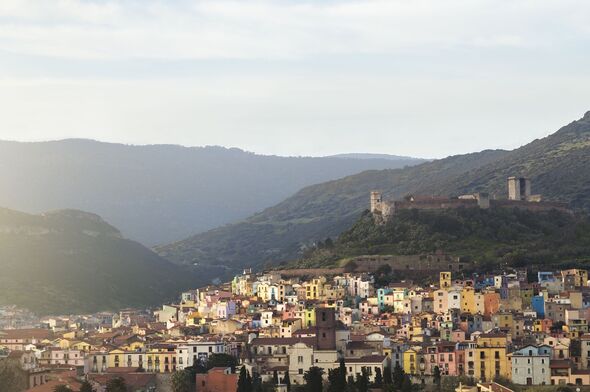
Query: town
[472, 334]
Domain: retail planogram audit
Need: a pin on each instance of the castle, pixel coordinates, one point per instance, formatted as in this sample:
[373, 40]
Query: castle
[519, 195]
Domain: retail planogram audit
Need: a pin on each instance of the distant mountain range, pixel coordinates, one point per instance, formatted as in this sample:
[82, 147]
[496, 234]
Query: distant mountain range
[70, 261]
[161, 193]
[558, 165]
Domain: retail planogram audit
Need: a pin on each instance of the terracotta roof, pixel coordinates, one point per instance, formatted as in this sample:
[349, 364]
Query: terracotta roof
[560, 364]
[131, 379]
[366, 359]
[282, 341]
[38, 333]
[68, 378]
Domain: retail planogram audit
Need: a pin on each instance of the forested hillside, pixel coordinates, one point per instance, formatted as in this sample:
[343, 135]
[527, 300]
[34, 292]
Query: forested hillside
[73, 262]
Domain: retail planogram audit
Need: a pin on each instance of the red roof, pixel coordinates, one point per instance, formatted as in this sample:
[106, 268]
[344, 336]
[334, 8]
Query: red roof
[29, 333]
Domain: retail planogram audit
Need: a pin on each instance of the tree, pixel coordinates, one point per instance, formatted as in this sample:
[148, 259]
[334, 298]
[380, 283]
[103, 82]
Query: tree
[222, 360]
[337, 378]
[342, 374]
[362, 381]
[387, 376]
[564, 389]
[436, 376]
[378, 378]
[86, 387]
[256, 382]
[181, 381]
[244, 383]
[350, 384]
[334, 380]
[406, 384]
[398, 376]
[61, 388]
[11, 377]
[313, 379]
[287, 381]
[116, 385]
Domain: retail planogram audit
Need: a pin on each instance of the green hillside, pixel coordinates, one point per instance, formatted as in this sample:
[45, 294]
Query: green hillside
[488, 238]
[71, 261]
[558, 165]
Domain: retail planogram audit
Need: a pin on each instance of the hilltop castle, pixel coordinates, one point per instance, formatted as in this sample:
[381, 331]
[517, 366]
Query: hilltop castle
[519, 195]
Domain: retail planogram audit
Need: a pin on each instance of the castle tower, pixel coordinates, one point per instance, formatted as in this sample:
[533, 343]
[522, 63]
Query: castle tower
[375, 202]
[325, 324]
[519, 188]
[513, 188]
[483, 200]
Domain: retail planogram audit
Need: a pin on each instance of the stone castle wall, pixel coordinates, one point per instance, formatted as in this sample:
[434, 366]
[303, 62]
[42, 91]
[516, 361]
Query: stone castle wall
[427, 262]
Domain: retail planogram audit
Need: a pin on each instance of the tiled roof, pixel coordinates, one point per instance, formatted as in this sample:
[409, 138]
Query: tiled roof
[366, 359]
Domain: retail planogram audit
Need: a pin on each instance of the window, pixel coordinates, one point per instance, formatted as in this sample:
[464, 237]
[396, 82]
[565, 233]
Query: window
[300, 359]
[300, 371]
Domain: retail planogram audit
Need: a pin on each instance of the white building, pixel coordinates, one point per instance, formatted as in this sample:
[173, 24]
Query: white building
[192, 352]
[530, 365]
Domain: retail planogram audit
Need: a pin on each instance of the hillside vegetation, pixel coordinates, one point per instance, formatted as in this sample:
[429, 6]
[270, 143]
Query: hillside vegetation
[558, 165]
[74, 262]
[161, 193]
[488, 238]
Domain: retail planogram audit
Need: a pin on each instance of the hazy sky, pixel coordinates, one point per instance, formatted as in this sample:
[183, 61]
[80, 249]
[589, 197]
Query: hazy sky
[413, 77]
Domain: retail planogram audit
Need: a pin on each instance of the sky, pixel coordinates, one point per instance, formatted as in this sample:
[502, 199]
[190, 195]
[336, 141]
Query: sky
[425, 78]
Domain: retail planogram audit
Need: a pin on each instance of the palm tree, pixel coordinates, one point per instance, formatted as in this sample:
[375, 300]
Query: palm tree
[86, 387]
[62, 388]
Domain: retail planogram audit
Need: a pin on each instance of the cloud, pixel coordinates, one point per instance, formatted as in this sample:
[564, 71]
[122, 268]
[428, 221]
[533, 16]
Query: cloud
[282, 29]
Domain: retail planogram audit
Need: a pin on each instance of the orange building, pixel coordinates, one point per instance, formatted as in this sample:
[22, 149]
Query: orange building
[218, 379]
[491, 303]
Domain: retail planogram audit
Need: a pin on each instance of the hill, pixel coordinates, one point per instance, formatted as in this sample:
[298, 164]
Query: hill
[488, 238]
[71, 261]
[558, 165]
[161, 193]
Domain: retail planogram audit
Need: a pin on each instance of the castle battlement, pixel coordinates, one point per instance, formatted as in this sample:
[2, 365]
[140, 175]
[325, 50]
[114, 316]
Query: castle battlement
[519, 196]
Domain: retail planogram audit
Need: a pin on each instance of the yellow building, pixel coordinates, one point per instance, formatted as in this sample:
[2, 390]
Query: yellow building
[161, 358]
[82, 346]
[314, 289]
[579, 277]
[445, 280]
[413, 358]
[489, 359]
[468, 300]
[62, 343]
[503, 320]
[309, 319]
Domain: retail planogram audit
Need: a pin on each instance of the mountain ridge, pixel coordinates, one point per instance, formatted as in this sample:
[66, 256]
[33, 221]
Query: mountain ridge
[558, 164]
[159, 193]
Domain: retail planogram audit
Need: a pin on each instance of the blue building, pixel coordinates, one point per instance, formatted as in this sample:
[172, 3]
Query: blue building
[538, 304]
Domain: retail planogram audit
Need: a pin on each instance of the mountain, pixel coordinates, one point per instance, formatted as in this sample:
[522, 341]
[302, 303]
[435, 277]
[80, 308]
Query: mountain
[159, 193]
[487, 237]
[71, 261]
[558, 165]
[370, 156]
